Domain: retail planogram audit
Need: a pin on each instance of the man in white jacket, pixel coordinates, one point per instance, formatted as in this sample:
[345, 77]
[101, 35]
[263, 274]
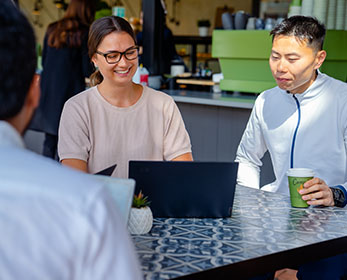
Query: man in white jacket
[302, 122]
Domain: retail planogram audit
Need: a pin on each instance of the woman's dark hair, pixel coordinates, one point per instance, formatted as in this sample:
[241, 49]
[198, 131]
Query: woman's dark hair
[17, 59]
[68, 31]
[98, 31]
[307, 29]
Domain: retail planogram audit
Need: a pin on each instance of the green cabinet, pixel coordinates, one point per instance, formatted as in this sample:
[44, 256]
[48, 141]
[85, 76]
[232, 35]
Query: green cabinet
[244, 58]
[335, 64]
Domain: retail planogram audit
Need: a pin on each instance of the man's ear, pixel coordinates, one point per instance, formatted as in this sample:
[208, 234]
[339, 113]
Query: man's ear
[320, 57]
[33, 97]
[22, 119]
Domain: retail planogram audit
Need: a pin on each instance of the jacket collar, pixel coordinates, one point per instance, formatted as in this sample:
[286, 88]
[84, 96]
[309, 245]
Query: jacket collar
[312, 91]
[9, 137]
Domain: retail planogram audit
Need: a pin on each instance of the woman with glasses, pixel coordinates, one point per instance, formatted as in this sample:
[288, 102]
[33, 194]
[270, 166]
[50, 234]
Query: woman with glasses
[117, 120]
[65, 65]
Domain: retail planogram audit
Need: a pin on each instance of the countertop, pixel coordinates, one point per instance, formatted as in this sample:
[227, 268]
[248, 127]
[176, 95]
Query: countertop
[235, 100]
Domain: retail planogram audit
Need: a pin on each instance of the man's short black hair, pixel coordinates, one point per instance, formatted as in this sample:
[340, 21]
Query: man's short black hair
[17, 59]
[307, 29]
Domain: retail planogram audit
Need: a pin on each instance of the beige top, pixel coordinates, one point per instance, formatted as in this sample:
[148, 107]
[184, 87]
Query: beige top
[93, 130]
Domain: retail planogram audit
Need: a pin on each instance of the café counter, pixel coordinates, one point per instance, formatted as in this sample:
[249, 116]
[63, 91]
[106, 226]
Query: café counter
[235, 100]
[215, 123]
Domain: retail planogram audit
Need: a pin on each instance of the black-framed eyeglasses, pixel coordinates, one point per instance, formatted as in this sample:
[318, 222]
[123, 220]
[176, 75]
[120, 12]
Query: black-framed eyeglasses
[114, 56]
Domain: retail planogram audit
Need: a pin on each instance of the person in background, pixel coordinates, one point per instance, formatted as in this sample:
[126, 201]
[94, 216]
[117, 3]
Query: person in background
[55, 223]
[65, 65]
[117, 120]
[170, 53]
[302, 123]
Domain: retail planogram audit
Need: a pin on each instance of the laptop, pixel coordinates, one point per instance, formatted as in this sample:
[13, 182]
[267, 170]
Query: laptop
[122, 193]
[183, 189]
[107, 171]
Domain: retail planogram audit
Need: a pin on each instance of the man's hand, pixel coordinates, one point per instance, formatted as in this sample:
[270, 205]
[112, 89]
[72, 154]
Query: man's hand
[318, 190]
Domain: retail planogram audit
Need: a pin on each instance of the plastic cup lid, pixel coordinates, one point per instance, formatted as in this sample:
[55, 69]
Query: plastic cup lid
[300, 172]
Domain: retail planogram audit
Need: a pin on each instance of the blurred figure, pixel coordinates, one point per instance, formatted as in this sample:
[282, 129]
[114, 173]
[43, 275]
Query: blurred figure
[65, 65]
[170, 53]
[117, 120]
[55, 223]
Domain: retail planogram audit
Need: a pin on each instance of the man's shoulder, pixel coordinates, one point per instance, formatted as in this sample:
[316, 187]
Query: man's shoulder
[334, 87]
[269, 94]
[332, 82]
[46, 178]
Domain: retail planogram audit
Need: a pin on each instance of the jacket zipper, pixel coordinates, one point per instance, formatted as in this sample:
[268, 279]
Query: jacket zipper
[295, 132]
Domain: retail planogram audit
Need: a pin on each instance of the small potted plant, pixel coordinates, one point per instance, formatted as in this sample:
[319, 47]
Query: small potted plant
[203, 25]
[141, 218]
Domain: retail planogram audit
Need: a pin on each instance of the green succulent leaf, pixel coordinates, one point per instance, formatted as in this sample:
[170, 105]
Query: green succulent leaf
[140, 200]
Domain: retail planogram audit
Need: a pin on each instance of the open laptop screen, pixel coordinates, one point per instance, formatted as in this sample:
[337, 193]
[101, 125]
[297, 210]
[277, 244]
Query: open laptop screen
[186, 189]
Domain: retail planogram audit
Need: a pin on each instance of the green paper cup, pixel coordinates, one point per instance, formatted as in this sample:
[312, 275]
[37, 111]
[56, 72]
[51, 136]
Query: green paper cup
[296, 179]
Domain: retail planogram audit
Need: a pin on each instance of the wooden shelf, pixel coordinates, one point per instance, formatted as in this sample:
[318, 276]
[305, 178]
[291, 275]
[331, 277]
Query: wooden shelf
[193, 41]
[195, 82]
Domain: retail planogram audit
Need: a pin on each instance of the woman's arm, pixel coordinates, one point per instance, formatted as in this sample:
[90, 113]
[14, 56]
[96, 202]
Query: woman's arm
[184, 157]
[76, 164]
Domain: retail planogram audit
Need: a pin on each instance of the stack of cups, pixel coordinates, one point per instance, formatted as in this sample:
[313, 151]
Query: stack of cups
[340, 14]
[331, 18]
[294, 8]
[307, 7]
[294, 11]
[320, 10]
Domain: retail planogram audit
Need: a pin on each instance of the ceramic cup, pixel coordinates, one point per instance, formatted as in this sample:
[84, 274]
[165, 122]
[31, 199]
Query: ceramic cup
[177, 70]
[259, 23]
[269, 24]
[251, 23]
[227, 21]
[241, 19]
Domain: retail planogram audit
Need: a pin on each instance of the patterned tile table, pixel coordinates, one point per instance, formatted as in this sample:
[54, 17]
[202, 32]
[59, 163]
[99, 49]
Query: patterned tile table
[263, 234]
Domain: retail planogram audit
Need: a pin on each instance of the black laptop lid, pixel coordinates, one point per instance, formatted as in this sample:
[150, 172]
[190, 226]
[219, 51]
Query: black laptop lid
[107, 171]
[186, 189]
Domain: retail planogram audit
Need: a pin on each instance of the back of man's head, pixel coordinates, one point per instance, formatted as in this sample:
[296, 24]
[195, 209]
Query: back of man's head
[17, 59]
[306, 29]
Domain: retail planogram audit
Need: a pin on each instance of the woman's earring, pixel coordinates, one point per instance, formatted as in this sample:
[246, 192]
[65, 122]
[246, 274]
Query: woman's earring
[96, 67]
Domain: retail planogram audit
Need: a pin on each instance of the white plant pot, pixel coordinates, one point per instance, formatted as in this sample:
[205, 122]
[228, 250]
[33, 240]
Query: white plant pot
[203, 31]
[140, 220]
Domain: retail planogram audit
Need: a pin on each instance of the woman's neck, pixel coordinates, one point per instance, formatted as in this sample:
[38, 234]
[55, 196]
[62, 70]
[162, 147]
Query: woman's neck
[120, 96]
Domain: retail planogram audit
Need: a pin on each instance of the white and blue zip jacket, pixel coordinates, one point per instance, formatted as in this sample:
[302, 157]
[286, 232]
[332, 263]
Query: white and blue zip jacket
[307, 130]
